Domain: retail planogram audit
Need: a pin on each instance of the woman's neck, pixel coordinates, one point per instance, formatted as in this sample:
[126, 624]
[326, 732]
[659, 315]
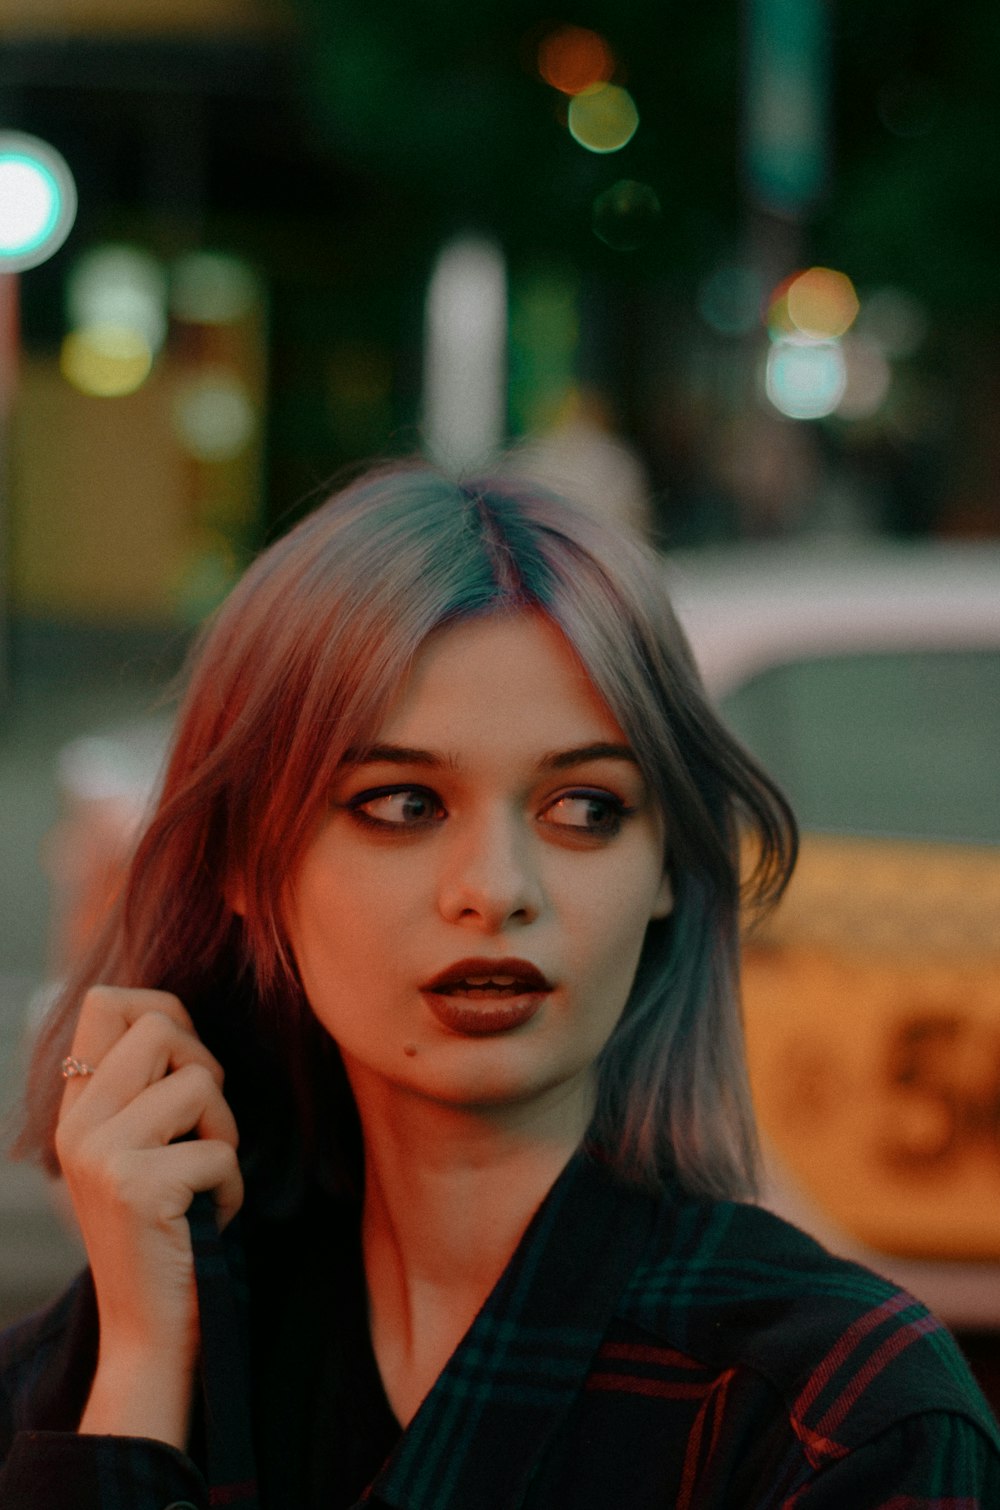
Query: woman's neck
[449, 1189]
[448, 1195]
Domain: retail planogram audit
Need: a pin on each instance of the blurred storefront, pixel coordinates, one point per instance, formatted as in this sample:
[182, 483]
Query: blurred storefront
[749, 250]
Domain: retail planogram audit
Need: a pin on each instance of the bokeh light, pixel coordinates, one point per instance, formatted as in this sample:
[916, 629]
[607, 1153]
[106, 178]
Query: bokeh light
[573, 58]
[603, 118]
[211, 288]
[822, 303]
[37, 201]
[805, 379]
[893, 320]
[30, 199]
[214, 415]
[819, 303]
[730, 299]
[122, 287]
[626, 215]
[204, 576]
[868, 379]
[106, 361]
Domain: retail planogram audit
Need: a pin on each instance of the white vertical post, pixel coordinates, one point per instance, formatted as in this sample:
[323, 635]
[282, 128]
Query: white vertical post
[465, 355]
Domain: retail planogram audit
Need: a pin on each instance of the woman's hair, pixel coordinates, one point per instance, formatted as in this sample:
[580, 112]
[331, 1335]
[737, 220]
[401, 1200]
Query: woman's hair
[298, 667]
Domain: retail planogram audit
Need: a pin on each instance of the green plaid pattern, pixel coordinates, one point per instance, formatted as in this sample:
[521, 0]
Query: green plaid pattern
[699, 1355]
[667, 1354]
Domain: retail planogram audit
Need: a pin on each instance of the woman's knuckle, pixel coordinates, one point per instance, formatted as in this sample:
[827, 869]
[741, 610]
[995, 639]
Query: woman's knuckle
[154, 1023]
[200, 1079]
[98, 1000]
[169, 999]
[170, 1006]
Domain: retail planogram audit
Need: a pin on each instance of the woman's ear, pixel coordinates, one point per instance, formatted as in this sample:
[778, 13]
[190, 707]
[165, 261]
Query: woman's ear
[663, 903]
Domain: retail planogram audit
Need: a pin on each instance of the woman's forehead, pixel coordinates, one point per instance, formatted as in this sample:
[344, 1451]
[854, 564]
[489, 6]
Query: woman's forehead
[493, 676]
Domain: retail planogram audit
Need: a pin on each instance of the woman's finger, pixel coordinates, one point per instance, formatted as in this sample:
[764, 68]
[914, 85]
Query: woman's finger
[108, 1012]
[152, 1048]
[157, 1186]
[188, 1101]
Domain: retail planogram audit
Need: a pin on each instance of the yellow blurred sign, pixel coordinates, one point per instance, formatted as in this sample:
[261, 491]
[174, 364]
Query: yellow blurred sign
[159, 17]
[873, 1024]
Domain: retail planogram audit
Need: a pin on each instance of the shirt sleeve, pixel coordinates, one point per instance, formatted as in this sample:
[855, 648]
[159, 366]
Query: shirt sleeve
[67, 1471]
[933, 1461]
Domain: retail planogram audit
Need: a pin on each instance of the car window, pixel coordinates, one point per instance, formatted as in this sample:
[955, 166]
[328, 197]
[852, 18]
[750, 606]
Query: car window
[904, 743]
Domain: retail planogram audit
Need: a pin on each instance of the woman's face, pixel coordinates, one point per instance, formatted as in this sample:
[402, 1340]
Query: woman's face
[468, 916]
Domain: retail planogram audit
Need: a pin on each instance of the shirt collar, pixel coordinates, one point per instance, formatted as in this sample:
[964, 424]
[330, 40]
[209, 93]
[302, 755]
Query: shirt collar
[479, 1434]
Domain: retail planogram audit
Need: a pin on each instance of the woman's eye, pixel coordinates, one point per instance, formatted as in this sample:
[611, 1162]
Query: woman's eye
[397, 807]
[588, 813]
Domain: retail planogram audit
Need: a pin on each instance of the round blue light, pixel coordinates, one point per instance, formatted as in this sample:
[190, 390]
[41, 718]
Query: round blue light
[805, 379]
[37, 201]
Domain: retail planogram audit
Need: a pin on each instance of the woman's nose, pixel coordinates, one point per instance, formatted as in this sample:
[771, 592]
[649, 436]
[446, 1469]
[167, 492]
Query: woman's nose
[488, 877]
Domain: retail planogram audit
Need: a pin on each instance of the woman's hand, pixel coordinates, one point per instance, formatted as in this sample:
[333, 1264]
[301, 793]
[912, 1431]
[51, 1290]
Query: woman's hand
[131, 1183]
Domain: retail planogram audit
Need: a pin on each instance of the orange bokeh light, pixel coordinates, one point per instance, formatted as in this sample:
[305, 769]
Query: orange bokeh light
[818, 303]
[573, 58]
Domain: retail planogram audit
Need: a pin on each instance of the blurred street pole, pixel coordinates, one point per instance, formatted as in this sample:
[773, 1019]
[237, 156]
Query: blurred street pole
[465, 355]
[9, 346]
[786, 104]
[785, 146]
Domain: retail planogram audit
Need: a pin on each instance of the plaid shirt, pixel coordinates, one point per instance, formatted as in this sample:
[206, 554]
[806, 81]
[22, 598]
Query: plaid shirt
[676, 1353]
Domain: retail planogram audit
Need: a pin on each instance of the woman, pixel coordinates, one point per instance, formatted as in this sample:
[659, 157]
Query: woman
[444, 882]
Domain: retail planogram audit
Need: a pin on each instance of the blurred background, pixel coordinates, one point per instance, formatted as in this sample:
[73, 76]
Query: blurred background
[730, 271]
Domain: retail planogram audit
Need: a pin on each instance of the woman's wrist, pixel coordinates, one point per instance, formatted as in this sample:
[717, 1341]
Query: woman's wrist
[137, 1393]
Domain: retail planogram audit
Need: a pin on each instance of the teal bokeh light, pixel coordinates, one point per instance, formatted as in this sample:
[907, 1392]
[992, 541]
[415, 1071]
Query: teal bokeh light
[37, 201]
[805, 379]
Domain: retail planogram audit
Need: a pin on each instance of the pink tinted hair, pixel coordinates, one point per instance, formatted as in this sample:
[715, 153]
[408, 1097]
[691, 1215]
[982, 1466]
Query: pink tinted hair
[300, 665]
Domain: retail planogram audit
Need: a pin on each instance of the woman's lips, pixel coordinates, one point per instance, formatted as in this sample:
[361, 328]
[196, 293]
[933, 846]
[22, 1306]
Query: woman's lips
[480, 996]
[481, 1013]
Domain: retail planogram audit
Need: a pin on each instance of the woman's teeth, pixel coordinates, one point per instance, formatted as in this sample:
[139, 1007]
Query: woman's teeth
[487, 985]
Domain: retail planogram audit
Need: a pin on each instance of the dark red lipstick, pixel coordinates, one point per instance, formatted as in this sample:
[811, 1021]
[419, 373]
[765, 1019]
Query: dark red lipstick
[479, 996]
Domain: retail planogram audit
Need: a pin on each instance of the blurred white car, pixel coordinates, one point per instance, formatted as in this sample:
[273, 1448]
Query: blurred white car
[868, 683]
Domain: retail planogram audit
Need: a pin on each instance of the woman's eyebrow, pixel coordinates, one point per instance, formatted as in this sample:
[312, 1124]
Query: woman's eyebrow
[396, 755]
[556, 760]
[559, 760]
